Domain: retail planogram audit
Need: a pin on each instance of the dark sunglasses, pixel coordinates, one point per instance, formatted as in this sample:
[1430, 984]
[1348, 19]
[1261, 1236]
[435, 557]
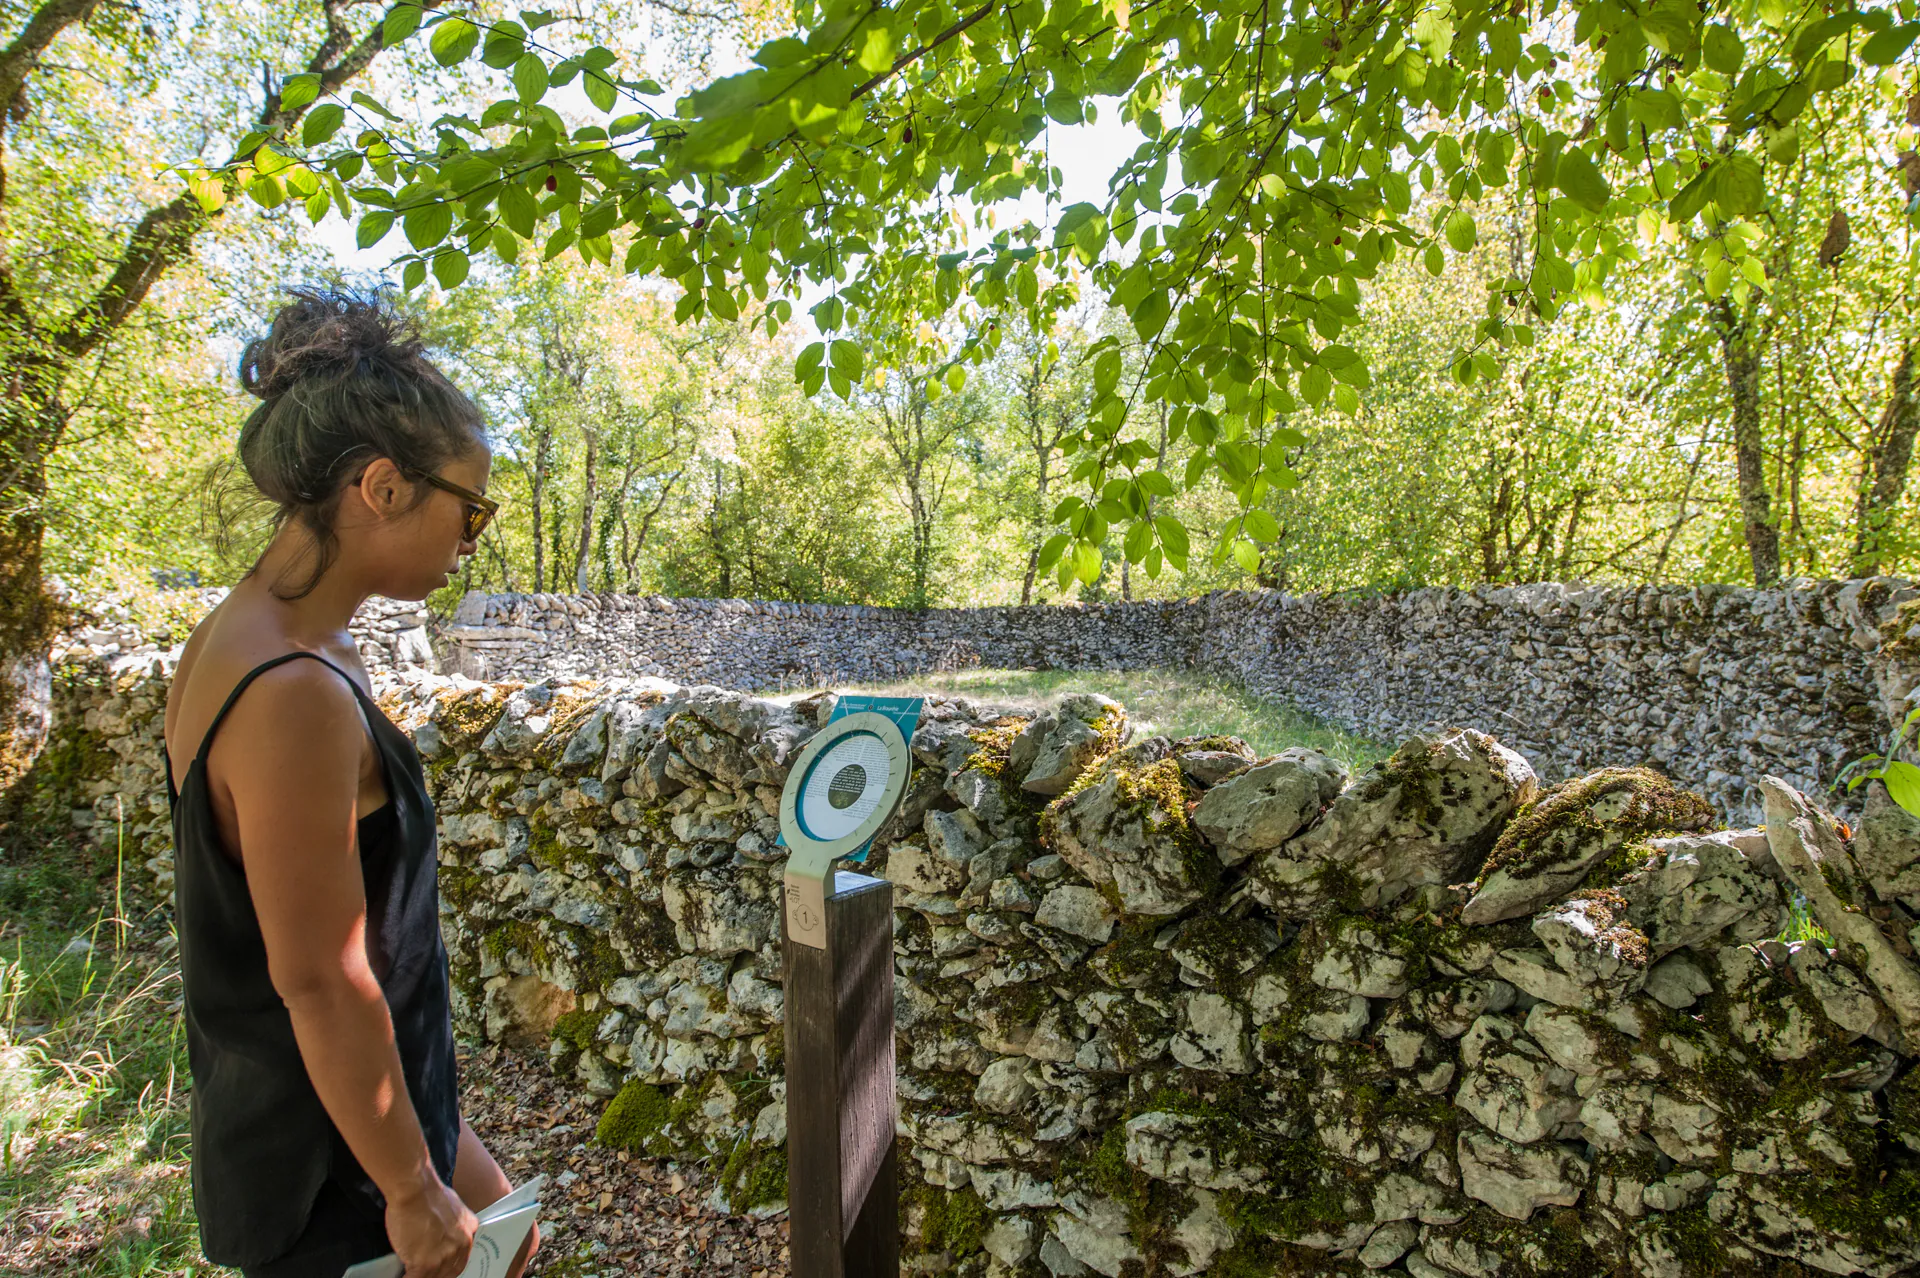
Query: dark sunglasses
[480, 508]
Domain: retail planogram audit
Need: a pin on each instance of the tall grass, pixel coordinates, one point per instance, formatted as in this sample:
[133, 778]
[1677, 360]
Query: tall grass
[93, 1070]
[1176, 703]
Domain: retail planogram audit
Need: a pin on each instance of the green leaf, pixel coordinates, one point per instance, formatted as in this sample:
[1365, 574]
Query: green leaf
[1884, 48]
[402, 21]
[1050, 553]
[298, 90]
[600, 90]
[452, 40]
[1173, 535]
[809, 361]
[848, 359]
[322, 123]
[1739, 185]
[450, 268]
[1262, 527]
[428, 225]
[1462, 234]
[1247, 555]
[413, 275]
[1723, 50]
[1434, 259]
[518, 209]
[530, 78]
[1086, 562]
[1139, 541]
[1903, 785]
[1582, 182]
[373, 228]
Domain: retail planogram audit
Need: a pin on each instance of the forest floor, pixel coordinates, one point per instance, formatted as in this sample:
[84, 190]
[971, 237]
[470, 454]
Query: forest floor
[94, 1124]
[1174, 703]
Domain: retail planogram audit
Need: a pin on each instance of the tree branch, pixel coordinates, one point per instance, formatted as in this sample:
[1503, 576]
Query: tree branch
[165, 234]
[18, 60]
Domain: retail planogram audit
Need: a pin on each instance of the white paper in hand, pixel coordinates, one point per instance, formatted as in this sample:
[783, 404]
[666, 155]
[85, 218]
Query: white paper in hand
[503, 1227]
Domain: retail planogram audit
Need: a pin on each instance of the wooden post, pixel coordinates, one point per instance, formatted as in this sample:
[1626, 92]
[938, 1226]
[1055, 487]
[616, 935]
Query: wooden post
[843, 1203]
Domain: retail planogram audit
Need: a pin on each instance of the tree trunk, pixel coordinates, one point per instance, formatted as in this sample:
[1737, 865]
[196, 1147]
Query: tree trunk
[586, 517]
[537, 489]
[1890, 459]
[1742, 358]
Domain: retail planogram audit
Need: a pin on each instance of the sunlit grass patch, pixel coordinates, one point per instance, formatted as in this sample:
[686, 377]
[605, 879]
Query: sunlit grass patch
[1176, 703]
[93, 1075]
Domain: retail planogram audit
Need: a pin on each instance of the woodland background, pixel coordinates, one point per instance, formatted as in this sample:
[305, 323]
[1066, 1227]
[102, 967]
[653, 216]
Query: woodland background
[637, 453]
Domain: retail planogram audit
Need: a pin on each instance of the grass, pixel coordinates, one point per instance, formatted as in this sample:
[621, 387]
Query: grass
[1176, 703]
[93, 1070]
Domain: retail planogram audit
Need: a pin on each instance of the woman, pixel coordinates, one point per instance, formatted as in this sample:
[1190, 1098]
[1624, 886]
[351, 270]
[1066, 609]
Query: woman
[326, 1128]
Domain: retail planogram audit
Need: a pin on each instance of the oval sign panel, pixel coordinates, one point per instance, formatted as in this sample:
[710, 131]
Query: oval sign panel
[844, 787]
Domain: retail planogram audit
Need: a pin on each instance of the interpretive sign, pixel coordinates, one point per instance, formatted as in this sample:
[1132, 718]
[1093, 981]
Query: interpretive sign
[842, 1194]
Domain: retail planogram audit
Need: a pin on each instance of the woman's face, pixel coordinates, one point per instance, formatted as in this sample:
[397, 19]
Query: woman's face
[414, 550]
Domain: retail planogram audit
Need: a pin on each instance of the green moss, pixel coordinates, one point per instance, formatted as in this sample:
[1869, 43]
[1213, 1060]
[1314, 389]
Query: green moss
[1543, 830]
[1411, 770]
[469, 716]
[576, 1028]
[635, 1119]
[953, 1221]
[754, 1176]
[544, 846]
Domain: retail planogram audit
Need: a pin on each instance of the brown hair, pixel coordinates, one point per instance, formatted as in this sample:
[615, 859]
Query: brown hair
[343, 379]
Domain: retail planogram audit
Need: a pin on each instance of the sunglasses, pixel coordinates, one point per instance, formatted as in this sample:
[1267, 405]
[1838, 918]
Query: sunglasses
[480, 508]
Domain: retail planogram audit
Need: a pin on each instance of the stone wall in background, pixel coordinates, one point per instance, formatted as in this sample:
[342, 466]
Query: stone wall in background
[1165, 1009]
[1714, 685]
[391, 635]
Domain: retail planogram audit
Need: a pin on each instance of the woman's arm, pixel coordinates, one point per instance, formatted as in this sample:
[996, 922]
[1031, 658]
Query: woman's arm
[478, 1180]
[291, 755]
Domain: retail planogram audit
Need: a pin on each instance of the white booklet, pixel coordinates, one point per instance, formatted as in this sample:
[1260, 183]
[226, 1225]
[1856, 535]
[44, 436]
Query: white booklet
[503, 1227]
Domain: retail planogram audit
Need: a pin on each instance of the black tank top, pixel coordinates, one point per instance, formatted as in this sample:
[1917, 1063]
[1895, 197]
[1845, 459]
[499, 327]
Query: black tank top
[262, 1142]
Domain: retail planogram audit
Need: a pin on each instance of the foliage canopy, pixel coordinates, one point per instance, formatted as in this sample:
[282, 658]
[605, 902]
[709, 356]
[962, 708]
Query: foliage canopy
[1291, 148]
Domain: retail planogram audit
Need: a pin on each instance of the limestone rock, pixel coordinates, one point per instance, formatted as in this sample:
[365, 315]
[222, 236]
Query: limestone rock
[1552, 844]
[1012, 1240]
[1677, 981]
[1078, 911]
[1170, 1147]
[1389, 1242]
[1201, 1234]
[1215, 1037]
[1517, 1180]
[1211, 760]
[1129, 829]
[1422, 817]
[1813, 859]
[1774, 1216]
[1511, 1085]
[1589, 938]
[1094, 1232]
[1065, 741]
[1696, 886]
[1267, 804]
[1887, 847]
[1361, 960]
[1004, 1086]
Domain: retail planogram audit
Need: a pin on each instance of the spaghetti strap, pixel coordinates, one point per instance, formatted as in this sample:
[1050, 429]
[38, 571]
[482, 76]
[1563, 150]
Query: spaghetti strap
[246, 679]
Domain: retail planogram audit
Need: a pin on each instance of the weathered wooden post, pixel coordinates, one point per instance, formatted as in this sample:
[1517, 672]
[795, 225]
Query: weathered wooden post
[837, 930]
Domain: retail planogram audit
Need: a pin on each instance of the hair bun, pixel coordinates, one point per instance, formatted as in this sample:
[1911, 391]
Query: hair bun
[326, 335]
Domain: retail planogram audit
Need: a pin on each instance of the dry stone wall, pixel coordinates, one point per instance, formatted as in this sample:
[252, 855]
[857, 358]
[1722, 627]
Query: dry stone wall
[1714, 685]
[1165, 1008]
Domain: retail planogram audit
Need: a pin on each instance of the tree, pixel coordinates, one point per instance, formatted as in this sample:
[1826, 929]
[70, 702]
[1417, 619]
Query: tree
[1306, 136]
[49, 333]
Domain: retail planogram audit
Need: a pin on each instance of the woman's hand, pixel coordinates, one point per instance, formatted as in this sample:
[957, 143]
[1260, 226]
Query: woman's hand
[431, 1231]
